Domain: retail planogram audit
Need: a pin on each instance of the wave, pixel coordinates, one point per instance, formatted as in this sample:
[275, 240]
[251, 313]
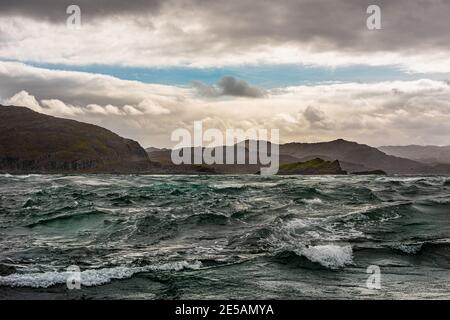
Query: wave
[386, 211]
[330, 256]
[21, 176]
[228, 186]
[312, 201]
[421, 246]
[81, 180]
[66, 217]
[409, 248]
[91, 277]
[206, 219]
[442, 200]
[122, 200]
[304, 192]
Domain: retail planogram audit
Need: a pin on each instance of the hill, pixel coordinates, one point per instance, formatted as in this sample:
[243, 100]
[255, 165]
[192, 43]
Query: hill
[354, 156]
[425, 154]
[312, 167]
[32, 142]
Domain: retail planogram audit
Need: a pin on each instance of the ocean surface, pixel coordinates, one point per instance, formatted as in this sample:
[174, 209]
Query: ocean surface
[224, 237]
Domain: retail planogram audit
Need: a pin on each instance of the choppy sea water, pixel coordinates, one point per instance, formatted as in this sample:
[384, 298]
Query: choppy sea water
[224, 237]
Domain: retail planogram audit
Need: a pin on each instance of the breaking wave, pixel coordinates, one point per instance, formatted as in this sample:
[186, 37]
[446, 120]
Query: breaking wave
[329, 256]
[91, 277]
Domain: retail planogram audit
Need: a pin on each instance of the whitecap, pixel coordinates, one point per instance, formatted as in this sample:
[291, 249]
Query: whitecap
[297, 224]
[81, 180]
[90, 277]
[312, 201]
[175, 266]
[329, 256]
[409, 248]
[228, 186]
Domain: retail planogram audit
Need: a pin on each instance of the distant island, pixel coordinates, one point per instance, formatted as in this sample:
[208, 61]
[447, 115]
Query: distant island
[31, 142]
[315, 166]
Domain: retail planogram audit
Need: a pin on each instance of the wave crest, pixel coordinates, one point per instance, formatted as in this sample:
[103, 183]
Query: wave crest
[330, 256]
[91, 277]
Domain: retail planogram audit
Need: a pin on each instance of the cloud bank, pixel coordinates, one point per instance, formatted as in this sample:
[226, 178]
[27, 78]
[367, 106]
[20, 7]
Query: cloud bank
[404, 112]
[202, 33]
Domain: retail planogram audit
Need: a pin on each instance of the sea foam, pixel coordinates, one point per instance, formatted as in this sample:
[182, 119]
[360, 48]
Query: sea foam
[90, 277]
[312, 201]
[330, 256]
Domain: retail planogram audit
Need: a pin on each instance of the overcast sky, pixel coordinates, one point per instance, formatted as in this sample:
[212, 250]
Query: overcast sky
[308, 67]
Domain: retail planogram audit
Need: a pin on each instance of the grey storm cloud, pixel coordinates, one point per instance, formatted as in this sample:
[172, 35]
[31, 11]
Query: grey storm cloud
[322, 24]
[313, 114]
[339, 24]
[316, 117]
[55, 10]
[229, 86]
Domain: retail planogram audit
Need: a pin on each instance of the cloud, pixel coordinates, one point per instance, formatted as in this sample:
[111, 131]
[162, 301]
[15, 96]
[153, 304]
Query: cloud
[150, 107]
[58, 107]
[238, 88]
[132, 110]
[80, 88]
[403, 112]
[229, 86]
[313, 114]
[217, 33]
[205, 90]
[23, 98]
[55, 10]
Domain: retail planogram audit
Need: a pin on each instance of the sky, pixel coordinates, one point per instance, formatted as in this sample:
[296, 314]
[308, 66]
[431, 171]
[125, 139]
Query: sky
[310, 68]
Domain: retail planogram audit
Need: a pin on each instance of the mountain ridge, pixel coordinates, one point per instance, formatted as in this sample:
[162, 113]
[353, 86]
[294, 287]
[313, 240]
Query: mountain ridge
[429, 154]
[352, 156]
[31, 142]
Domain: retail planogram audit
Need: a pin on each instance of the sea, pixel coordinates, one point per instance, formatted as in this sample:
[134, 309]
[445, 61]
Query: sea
[224, 237]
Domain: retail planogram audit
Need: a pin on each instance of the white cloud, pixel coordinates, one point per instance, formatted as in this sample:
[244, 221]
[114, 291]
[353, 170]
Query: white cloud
[23, 98]
[95, 109]
[132, 110]
[151, 107]
[58, 107]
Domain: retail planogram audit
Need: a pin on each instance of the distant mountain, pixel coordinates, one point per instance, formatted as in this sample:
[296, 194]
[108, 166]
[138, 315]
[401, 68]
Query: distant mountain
[38, 143]
[31, 142]
[312, 167]
[353, 157]
[153, 149]
[425, 154]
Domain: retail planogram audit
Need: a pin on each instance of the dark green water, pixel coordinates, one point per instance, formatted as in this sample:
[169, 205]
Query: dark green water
[183, 237]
